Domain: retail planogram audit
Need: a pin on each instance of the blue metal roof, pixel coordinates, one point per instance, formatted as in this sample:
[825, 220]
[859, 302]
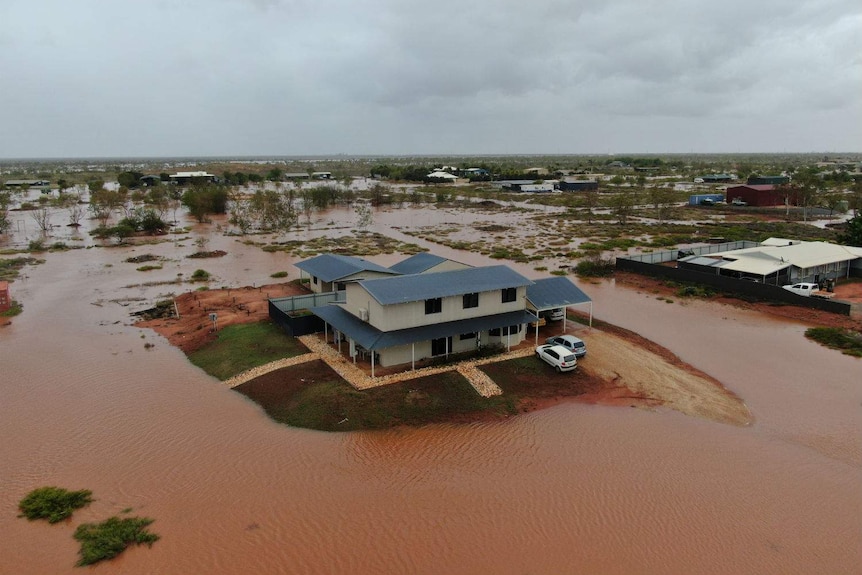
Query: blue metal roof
[332, 267]
[371, 338]
[403, 289]
[418, 263]
[555, 292]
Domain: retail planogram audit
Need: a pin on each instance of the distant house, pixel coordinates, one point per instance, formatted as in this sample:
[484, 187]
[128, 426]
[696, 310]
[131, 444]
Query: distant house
[332, 272]
[188, 177]
[150, 180]
[526, 186]
[756, 195]
[476, 172]
[441, 175]
[322, 175]
[426, 262]
[767, 180]
[781, 261]
[5, 297]
[715, 179]
[534, 188]
[578, 185]
[296, 176]
[27, 183]
[537, 171]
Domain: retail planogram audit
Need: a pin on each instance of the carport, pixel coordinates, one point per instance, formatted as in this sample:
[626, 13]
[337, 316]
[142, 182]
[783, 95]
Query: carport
[551, 293]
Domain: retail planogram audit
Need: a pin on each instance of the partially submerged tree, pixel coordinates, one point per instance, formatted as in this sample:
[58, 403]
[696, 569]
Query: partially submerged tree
[72, 204]
[852, 234]
[42, 217]
[623, 205]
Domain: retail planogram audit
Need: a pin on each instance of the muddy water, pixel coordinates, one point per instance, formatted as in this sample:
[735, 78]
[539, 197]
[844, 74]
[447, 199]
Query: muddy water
[572, 489]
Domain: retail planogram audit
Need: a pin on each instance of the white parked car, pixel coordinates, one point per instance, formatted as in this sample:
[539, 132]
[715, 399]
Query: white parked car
[570, 342]
[807, 289]
[553, 314]
[557, 356]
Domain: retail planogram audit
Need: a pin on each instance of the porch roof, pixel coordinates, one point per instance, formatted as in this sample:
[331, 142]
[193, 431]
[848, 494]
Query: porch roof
[372, 338]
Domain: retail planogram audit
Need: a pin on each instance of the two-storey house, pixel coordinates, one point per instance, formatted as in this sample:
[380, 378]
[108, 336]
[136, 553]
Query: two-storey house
[402, 319]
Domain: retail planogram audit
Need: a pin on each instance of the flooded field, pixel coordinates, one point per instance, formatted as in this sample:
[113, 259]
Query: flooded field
[571, 489]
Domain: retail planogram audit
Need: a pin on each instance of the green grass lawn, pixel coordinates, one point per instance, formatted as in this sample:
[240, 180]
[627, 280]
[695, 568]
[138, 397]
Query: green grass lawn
[313, 396]
[241, 347]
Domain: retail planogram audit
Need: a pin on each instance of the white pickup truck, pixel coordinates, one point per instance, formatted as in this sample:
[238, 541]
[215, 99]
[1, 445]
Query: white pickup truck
[808, 290]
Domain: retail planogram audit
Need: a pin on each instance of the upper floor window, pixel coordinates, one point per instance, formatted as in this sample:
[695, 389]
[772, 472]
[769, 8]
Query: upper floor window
[433, 305]
[471, 300]
[509, 294]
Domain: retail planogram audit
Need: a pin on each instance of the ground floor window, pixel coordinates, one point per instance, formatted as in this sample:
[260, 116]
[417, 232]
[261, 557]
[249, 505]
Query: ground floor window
[512, 329]
[441, 346]
[466, 336]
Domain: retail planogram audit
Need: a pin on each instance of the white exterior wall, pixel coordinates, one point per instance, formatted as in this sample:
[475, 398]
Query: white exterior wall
[446, 266]
[402, 354]
[412, 314]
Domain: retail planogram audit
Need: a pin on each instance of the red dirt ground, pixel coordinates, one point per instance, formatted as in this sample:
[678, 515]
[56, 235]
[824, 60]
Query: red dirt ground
[237, 305]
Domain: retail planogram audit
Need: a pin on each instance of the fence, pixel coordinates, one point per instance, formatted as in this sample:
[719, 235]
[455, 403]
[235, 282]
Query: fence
[754, 290]
[290, 313]
[672, 255]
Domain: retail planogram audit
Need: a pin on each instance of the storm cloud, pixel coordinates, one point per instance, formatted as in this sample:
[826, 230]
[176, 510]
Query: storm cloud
[291, 77]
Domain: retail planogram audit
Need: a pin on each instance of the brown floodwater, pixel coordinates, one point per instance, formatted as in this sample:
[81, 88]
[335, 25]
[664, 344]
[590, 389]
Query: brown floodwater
[570, 489]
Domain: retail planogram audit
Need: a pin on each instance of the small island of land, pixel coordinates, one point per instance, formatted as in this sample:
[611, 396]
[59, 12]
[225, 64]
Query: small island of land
[620, 369]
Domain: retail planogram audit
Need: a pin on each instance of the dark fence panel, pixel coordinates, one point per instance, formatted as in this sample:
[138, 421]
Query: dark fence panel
[755, 290]
[295, 323]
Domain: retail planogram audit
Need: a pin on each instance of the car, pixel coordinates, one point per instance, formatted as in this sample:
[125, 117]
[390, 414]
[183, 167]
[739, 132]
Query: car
[557, 356]
[707, 202]
[555, 314]
[570, 342]
[739, 202]
[808, 289]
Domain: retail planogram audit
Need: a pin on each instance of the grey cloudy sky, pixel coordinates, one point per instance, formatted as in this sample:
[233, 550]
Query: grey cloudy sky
[293, 77]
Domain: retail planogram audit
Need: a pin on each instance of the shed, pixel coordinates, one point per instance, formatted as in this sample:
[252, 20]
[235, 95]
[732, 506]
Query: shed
[767, 180]
[756, 195]
[575, 185]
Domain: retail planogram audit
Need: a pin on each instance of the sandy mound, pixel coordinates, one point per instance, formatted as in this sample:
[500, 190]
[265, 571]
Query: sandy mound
[650, 376]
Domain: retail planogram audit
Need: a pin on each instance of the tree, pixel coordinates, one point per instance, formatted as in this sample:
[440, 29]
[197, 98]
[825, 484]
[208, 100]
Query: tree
[103, 202]
[807, 187]
[662, 199]
[72, 204]
[241, 214]
[852, 235]
[273, 209]
[42, 217]
[202, 200]
[622, 206]
[5, 223]
[591, 200]
[130, 180]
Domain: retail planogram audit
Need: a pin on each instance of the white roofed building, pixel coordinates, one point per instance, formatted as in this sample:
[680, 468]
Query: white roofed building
[780, 261]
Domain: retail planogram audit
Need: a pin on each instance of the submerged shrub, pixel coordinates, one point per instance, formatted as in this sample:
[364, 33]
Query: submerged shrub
[53, 503]
[200, 276]
[109, 538]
